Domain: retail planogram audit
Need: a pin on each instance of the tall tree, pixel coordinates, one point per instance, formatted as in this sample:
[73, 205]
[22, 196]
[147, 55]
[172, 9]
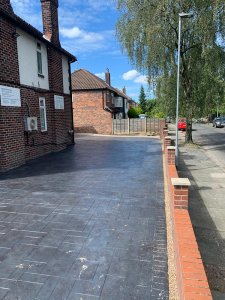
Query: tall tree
[148, 32]
[142, 99]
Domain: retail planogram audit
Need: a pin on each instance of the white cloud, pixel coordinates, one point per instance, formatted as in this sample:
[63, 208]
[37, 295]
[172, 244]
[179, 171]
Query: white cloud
[135, 76]
[141, 79]
[101, 75]
[71, 32]
[79, 41]
[86, 36]
[130, 75]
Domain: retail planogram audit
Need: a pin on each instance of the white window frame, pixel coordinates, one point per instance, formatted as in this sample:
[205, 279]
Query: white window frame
[43, 107]
[39, 54]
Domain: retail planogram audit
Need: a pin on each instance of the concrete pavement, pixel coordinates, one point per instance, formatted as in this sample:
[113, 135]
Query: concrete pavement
[212, 140]
[86, 223]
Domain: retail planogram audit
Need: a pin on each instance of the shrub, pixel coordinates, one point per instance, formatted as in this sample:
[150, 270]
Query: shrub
[134, 112]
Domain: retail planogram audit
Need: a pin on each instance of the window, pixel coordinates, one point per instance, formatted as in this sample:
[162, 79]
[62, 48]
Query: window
[43, 118]
[118, 102]
[39, 59]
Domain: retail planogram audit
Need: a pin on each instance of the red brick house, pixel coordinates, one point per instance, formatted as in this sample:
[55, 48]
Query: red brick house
[96, 103]
[35, 87]
[132, 103]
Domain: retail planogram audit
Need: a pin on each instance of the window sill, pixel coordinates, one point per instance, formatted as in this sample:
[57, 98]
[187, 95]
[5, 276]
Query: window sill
[44, 132]
[41, 75]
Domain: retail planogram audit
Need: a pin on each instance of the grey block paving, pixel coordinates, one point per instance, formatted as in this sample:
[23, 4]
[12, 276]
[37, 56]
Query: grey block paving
[87, 223]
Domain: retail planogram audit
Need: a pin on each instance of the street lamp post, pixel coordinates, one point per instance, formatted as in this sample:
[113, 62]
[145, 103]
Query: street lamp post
[217, 108]
[181, 16]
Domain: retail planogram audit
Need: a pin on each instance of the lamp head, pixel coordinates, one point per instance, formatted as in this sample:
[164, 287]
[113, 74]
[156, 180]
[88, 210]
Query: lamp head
[185, 15]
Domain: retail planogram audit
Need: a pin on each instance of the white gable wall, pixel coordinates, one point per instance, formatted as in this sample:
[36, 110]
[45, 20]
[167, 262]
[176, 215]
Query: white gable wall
[27, 55]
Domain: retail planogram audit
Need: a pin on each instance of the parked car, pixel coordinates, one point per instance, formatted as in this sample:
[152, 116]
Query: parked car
[182, 124]
[219, 122]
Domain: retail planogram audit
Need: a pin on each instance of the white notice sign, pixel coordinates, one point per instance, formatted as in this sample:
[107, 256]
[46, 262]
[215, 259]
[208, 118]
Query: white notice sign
[10, 96]
[59, 102]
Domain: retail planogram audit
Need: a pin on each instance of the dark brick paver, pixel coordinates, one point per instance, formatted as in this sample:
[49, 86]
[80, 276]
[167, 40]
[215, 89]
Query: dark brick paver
[87, 223]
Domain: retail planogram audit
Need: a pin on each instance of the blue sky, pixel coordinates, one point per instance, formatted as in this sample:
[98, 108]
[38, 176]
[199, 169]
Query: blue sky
[87, 30]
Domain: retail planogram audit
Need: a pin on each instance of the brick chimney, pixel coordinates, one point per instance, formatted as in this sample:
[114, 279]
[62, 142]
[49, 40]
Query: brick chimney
[107, 77]
[50, 20]
[6, 6]
[124, 90]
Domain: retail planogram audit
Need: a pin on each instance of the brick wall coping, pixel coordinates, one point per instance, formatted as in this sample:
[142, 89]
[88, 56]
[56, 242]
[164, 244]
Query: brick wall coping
[171, 148]
[180, 181]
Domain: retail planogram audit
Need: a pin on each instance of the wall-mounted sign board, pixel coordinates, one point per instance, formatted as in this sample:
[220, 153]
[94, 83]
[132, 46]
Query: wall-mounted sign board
[10, 96]
[59, 102]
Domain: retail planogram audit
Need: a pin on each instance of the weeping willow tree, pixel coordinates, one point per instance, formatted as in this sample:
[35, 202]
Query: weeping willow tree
[148, 32]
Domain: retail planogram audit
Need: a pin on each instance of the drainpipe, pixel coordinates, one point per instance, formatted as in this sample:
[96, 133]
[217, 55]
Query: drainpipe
[71, 97]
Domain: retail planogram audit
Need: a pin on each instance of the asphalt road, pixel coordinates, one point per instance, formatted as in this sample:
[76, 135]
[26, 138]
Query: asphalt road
[212, 140]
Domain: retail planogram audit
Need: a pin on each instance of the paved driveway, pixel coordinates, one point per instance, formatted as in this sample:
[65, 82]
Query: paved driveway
[87, 223]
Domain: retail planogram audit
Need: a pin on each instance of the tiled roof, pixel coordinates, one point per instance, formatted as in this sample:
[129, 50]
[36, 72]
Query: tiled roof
[34, 32]
[85, 80]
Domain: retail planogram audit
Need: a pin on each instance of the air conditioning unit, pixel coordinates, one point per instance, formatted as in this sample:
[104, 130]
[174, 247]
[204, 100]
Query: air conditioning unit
[31, 124]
